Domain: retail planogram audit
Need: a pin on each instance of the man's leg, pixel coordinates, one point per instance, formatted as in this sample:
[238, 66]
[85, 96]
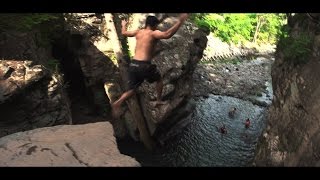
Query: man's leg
[117, 104]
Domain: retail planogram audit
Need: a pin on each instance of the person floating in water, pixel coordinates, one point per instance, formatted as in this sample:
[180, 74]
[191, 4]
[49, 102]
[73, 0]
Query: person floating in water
[247, 123]
[140, 68]
[232, 112]
[223, 129]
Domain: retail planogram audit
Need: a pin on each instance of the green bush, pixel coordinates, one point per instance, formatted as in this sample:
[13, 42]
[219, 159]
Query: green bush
[48, 25]
[241, 27]
[296, 49]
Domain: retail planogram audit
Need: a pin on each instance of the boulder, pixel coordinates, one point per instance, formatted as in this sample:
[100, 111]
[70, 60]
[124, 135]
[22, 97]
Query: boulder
[89, 145]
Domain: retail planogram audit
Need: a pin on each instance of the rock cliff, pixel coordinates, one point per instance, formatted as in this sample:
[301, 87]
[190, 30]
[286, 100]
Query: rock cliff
[292, 134]
[31, 96]
[83, 53]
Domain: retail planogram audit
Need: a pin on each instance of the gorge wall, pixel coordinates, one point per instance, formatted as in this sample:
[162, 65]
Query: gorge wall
[43, 82]
[31, 95]
[292, 134]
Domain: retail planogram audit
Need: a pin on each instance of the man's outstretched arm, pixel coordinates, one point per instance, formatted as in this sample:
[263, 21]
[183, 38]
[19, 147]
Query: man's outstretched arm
[171, 31]
[124, 30]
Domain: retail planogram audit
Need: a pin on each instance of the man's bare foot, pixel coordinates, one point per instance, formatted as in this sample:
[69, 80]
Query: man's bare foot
[158, 103]
[115, 110]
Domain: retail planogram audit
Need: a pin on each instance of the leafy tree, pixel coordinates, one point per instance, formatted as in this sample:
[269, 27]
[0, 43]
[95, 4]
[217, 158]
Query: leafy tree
[268, 27]
[242, 27]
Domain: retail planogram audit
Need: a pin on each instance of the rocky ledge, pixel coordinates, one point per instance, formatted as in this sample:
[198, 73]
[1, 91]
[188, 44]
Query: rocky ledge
[64, 145]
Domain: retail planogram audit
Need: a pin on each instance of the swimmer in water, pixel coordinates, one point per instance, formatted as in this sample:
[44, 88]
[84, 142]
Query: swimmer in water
[232, 112]
[247, 123]
[223, 130]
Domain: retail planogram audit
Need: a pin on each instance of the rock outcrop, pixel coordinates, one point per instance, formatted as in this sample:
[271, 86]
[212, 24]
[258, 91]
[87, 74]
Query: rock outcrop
[89, 145]
[88, 46]
[30, 97]
[84, 49]
[86, 40]
[23, 45]
[292, 136]
[32, 92]
[176, 60]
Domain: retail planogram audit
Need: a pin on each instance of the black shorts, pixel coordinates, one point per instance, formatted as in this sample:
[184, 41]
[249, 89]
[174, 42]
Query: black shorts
[140, 71]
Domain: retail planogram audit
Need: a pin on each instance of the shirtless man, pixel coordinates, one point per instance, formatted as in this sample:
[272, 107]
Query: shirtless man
[140, 68]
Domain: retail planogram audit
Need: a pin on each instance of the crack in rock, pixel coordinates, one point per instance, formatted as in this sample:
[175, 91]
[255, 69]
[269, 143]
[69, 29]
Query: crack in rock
[31, 150]
[74, 154]
[48, 149]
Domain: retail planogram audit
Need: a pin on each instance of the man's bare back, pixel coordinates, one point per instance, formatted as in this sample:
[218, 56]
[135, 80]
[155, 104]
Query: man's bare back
[145, 43]
[147, 38]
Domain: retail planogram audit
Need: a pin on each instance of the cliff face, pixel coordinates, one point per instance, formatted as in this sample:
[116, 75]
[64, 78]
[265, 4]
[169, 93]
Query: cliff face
[85, 56]
[176, 60]
[31, 96]
[34, 80]
[292, 136]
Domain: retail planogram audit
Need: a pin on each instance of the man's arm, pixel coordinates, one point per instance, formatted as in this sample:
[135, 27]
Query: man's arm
[171, 31]
[124, 30]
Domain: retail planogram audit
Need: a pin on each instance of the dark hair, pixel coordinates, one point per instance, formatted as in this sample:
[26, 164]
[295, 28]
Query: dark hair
[152, 21]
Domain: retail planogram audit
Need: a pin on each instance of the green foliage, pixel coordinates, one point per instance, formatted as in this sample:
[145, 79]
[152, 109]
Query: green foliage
[241, 27]
[271, 27]
[24, 22]
[117, 17]
[53, 65]
[47, 25]
[112, 56]
[296, 49]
